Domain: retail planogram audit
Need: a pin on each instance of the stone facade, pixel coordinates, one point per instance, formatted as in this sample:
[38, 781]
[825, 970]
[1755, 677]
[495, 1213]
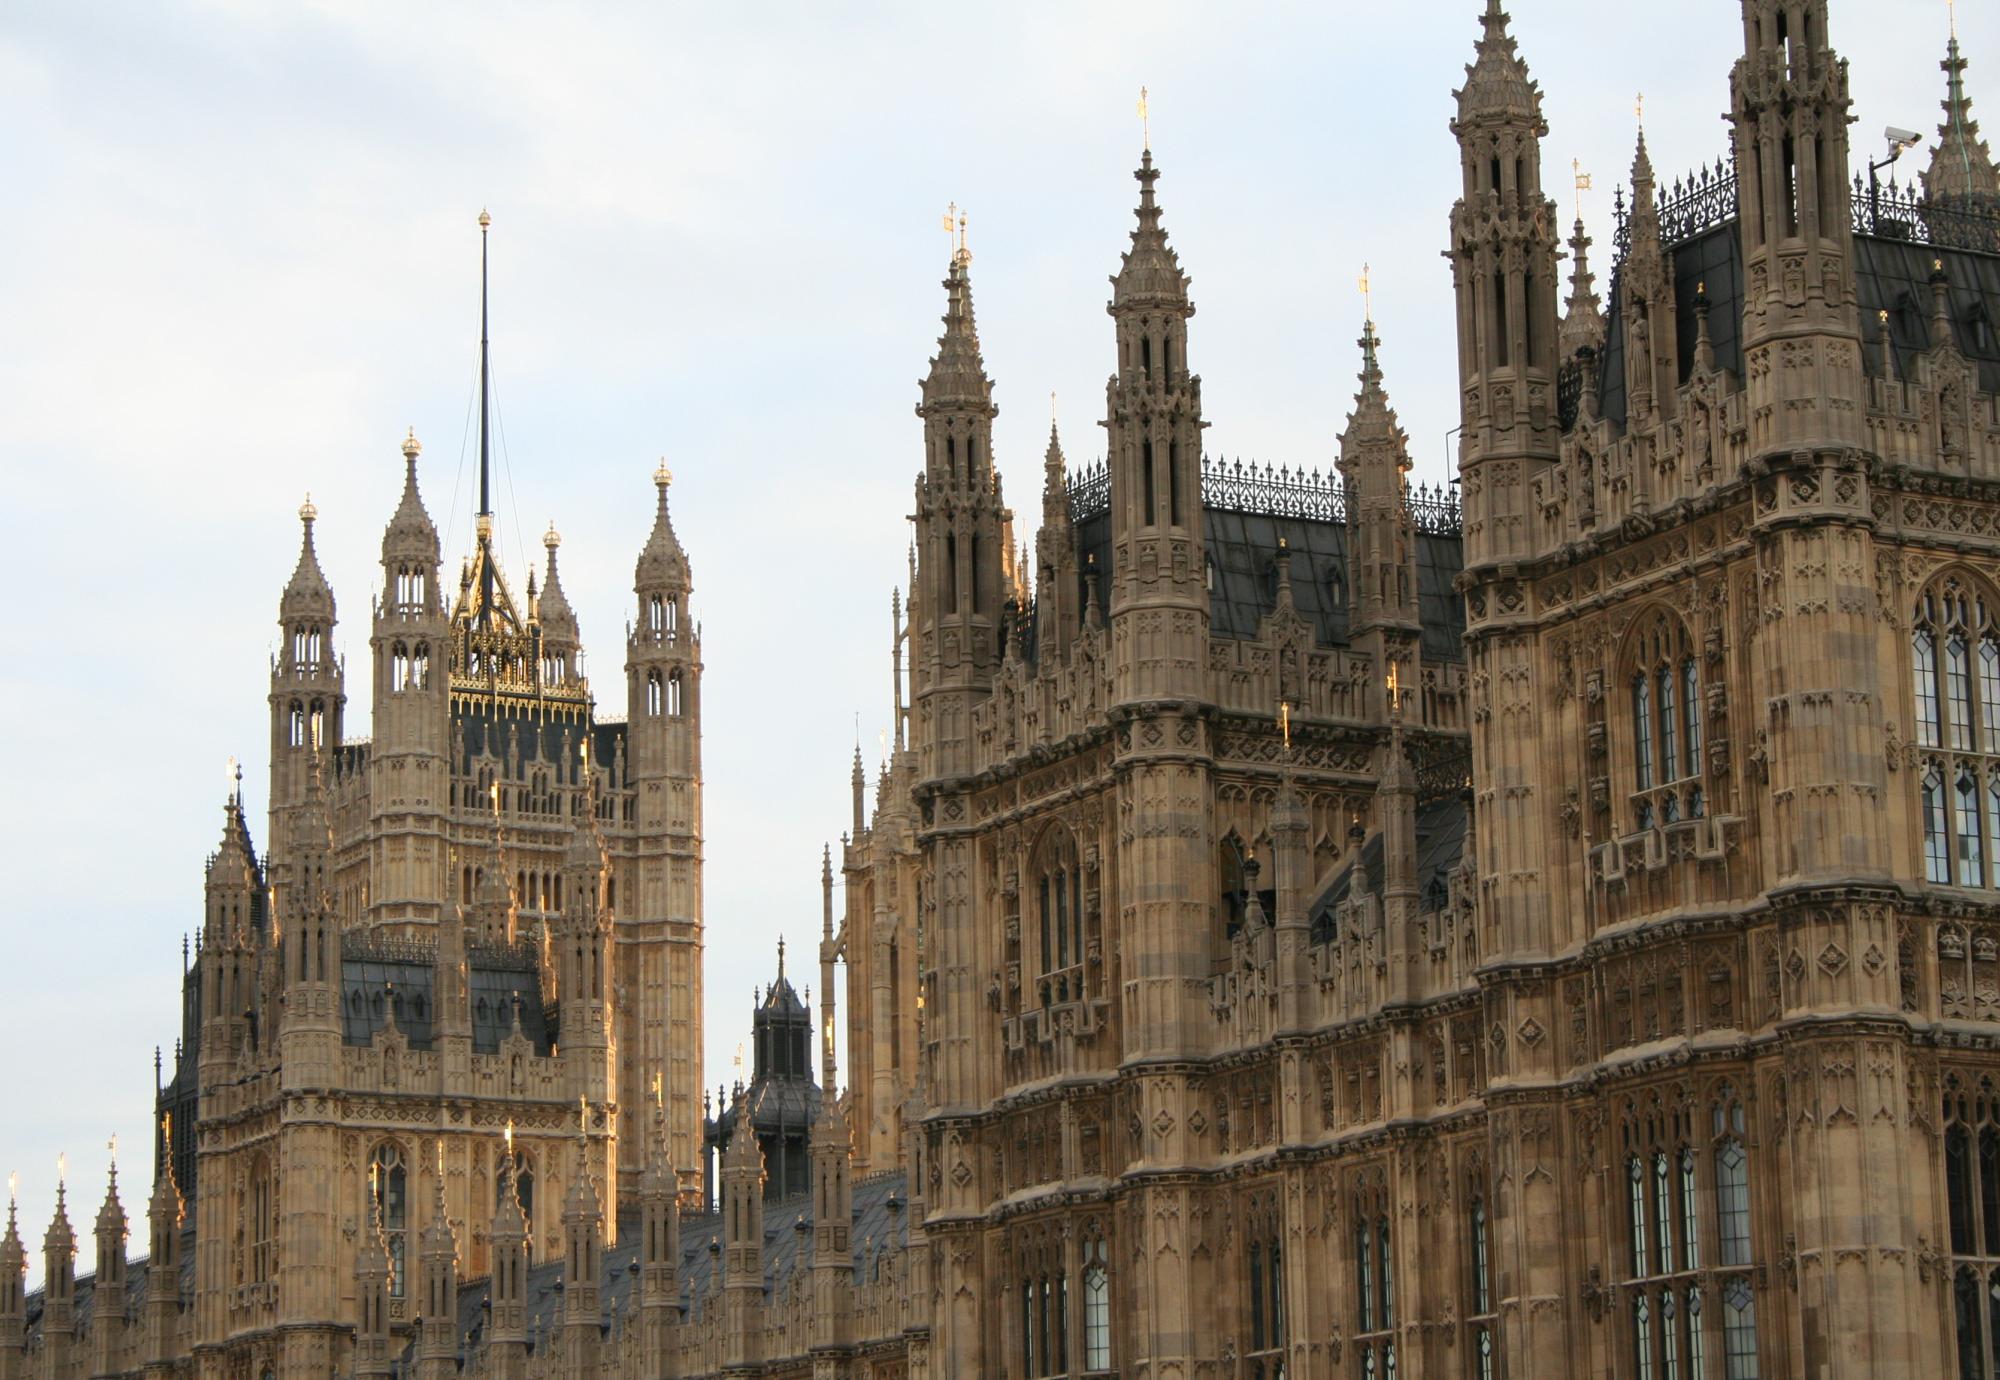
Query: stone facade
[1304, 927]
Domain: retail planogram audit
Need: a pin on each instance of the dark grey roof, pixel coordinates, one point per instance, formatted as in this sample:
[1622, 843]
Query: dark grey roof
[1889, 275]
[875, 1228]
[1243, 548]
[378, 975]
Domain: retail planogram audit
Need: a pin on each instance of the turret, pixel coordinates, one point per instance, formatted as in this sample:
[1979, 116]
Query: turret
[1801, 342]
[1646, 304]
[964, 534]
[1382, 542]
[437, 1334]
[408, 756]
[58, 1287]
[1503, 262]
[13, 1293]
[659, 1244]
[833, 1210]
[234, 906]
[660, 920]
[742, 1236]
[372, 1340]
[165, 1214]
[1153, 427]
[507, 1332]
[583, 1265]
[1058, 585]
[108, 1321]
[308, 689]
[1961, 172]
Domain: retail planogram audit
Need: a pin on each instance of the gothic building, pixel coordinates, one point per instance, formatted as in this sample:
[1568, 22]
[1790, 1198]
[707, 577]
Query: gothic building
[1305, 926]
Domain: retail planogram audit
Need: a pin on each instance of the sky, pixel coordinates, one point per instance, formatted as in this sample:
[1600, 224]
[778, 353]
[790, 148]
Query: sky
[240, 260]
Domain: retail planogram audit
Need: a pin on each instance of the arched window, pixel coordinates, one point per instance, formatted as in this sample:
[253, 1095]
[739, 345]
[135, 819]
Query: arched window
[656, 614]
[1666, 718]
[263, 1219]
[1955, 683]
[655, 697]
[1375, 1276]
[1096, 1307]
[399, 668]
[1481, 1312]
[420, 666]
[388, 1182]
[295, 725]
[1058, 901]
[674, 694]
[1264, 1259]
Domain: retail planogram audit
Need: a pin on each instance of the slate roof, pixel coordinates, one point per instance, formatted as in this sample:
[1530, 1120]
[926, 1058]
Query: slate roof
[1440, 845]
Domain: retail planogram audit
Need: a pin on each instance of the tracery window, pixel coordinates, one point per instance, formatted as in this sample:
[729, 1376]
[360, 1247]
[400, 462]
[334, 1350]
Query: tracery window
[1096, 1307]
[1972, 1195]
[1375, 1276]
[1665, 701]
[388, 1183]
[1059, 917]
[1480, 1314]
[1955, 675]
[1677, 1195]
[1044, 1295]
[1263, 1252]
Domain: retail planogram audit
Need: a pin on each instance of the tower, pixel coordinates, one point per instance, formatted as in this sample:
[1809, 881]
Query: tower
[1503, 265]
[583, 1219]
[409, 766]
[308, 695]
[660, 950]
[164, 1215]
[1382, 557]
[507, 1336]
[13, 1299]
[964, 532]
[437, 1329]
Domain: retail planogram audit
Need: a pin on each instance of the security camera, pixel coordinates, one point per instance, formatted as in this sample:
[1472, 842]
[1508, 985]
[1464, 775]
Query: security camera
[1900, 139]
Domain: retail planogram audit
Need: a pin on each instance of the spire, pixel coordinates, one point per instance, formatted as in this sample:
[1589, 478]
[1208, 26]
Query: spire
[662, 562]
[485, 514]
[557, 618]
[1961, 165]
[411, 535]
[307, 594]
[957, 379]
[1645, 195]
[112, 1225]
[1150, 274]
[1055, 478]
[1583, 315]
[1372, 432]
[1496, 80]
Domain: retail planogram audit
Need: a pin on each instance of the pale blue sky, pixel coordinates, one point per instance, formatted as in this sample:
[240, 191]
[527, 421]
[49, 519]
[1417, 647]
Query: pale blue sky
[239, 258]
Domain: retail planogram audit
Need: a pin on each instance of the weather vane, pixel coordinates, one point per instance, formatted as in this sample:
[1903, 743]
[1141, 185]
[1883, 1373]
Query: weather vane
[1145, 121]
[1367, 303]
[1582, 184]
[1639, 109]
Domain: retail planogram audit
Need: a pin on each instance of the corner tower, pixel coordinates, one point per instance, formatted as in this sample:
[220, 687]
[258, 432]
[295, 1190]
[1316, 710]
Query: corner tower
[308, 695]
[660, 948]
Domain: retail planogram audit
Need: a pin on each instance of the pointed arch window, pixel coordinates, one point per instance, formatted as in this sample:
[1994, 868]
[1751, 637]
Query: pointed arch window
[674, 694]
[1668, 778]
[1096, 1307]
[388, 1181]
[1058, 898]
[1955, 686]
[655, 694]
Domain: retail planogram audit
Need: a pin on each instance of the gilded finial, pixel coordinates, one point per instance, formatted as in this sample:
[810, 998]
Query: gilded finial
[307, 511]
[1951, 16]
[509, 1134]
[1367, 300]
[663, 476]
[13, 1189]
[1285, 722]
[62, 1171]
[1639, 109]
[484, 220]
[552, 538]
[1145, 121]
[411, 445]
[493, 793]
[582, 1115]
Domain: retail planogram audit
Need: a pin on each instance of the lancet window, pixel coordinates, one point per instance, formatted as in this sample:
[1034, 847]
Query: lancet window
[1058, 901]
[1972, 1195]
[1096, 1306]
[388, 1184]
[1955, 674]
[1664, 700]
[1264, 1275]
[1480, 1314]
[1688, 1249]
[1373, 1247]
[1043, 1291]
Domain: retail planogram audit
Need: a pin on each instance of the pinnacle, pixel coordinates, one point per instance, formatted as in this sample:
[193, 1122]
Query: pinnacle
[958, 370]
[662, 562]
[1583, 316]
[1961, 164]
[1496, 80]
[307, 592]
[1151, 271]
[1372, 432]
[411, 533]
